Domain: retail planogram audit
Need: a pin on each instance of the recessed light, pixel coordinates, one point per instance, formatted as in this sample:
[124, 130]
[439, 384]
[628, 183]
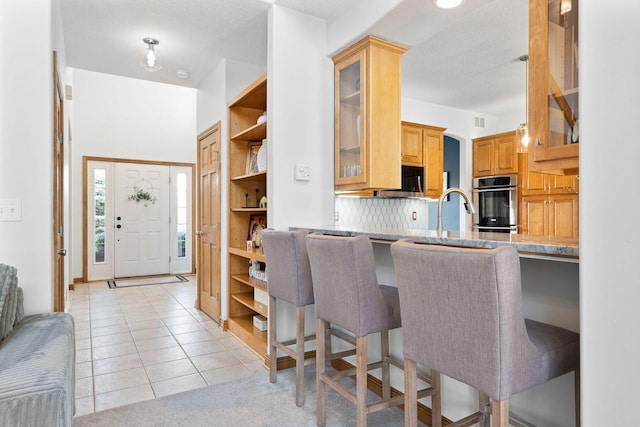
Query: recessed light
[447, 4]
[182, 74]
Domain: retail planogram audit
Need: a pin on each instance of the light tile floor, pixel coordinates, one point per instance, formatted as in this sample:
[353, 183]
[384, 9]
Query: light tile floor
[143, 342]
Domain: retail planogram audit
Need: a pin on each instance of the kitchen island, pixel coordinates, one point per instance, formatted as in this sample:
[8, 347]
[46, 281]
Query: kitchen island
[550, 293]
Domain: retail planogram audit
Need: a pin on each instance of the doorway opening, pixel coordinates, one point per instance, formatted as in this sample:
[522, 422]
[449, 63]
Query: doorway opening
[138, 218]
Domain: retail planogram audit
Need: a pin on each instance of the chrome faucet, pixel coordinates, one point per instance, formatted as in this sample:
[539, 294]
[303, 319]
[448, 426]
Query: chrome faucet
[468, 206]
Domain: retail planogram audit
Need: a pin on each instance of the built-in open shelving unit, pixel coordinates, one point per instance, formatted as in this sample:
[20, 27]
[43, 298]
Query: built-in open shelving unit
[245, 189]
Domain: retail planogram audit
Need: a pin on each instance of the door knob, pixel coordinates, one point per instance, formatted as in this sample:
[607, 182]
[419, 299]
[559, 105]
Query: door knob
[118, 226]
[62, 252]
[199, 233]
[118, 218]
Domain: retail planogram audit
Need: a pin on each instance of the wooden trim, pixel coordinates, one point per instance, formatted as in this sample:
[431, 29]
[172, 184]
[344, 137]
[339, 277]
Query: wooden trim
[375, 385]
[78, 280]
[85, 186]
[72, 287]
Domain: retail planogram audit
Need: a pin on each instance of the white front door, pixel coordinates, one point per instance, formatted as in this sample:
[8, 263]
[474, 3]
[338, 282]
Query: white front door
[141, 218]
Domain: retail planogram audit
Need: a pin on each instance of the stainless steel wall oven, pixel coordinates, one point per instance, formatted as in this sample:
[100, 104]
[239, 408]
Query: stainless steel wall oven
[495, 199]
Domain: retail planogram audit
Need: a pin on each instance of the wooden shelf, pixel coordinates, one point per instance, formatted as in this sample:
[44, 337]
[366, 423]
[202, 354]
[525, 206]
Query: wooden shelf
[352, 99]
[257, 132]
[242, 327]
[350, 149]
[248, 210]
[246, 299]
[251, 177]
[251, 281]
[254, 254]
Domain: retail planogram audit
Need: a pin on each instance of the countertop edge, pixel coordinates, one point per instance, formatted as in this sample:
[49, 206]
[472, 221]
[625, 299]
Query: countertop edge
[527, 246]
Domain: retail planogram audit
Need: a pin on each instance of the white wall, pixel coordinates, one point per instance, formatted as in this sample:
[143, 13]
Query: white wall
[609, 232]
[300, 117]
[26, 145]
[120, 117]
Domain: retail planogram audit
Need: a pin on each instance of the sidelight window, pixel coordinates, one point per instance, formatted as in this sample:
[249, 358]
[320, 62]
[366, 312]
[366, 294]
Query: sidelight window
[181, 214]
[99, 193]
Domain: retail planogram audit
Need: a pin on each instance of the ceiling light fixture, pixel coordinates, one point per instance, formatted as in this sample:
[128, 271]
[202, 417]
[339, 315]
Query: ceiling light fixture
[522, 133]
[150, 60]
[565, 7]
[447, 4]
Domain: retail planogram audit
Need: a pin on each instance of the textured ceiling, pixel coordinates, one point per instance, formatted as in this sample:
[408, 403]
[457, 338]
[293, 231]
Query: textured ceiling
[464, 58]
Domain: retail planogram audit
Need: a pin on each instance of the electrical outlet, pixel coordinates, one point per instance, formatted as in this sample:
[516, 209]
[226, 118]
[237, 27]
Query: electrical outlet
[336, 216]
[414, 216]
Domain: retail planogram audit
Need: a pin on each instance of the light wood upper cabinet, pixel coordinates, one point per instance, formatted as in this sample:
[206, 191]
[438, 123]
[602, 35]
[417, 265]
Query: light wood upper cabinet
[367, 116]
[411, 145]
[553, 111]
[495, 155]
[427, 145]
[433, 139]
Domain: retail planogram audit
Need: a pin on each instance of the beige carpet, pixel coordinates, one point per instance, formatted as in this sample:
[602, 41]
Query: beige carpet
[248, 402]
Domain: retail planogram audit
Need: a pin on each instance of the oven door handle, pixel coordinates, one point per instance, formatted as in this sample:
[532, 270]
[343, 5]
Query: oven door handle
[486, 190]
[477, 227]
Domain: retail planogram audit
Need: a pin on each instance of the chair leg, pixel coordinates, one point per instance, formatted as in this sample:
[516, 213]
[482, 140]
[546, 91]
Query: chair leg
[500, 413]
[577, 395]
[410, 394]
[436, 399]
[273, 352]
[483, 402]
[300, 356]
[361, 381]
[386, 378]
[321, 330]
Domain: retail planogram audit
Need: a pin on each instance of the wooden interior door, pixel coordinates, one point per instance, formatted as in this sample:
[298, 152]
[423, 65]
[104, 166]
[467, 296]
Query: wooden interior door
[59, 250]
[208, 228]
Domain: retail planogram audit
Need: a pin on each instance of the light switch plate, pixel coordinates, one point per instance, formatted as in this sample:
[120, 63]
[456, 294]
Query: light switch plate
[302, 172]
[10, 210]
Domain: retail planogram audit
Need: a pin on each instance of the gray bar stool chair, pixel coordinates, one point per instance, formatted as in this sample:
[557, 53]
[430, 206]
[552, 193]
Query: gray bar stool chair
[462, 316]
[348, 295]
[289, 280]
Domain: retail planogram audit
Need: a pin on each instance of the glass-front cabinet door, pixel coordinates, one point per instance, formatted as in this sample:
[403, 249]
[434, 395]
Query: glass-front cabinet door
[554, 90]
[350, 150]
[367, 116]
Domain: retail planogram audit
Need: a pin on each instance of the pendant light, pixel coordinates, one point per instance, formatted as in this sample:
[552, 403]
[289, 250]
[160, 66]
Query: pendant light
[522, 133]
[150, 60]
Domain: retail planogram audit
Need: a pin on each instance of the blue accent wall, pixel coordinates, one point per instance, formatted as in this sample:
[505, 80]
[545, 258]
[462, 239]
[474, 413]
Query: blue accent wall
[450, 209]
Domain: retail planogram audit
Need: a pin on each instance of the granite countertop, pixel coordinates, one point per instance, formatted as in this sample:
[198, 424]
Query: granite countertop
[556, 248]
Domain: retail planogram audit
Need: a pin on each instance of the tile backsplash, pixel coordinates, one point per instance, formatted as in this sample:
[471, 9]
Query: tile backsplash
[381, 212]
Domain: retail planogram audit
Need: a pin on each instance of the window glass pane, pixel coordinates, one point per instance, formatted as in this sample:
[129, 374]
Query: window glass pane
[181, 214]
[99, 214]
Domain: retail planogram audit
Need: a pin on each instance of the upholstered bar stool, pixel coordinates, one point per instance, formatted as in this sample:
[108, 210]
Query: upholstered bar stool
[347, 294]
[462, 316]
[289, 280]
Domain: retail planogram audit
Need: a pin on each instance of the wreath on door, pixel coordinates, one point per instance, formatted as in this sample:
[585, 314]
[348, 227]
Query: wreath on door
[141, 194]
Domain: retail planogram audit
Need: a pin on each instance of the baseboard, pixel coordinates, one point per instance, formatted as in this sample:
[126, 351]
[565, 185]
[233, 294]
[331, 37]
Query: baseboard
[78, 280]
[72, 287]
